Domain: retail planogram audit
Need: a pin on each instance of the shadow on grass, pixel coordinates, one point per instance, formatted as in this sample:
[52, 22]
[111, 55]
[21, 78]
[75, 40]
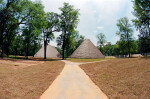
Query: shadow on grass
[20, 58]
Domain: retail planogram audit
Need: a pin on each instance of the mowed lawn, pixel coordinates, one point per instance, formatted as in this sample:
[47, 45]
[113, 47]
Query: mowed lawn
[121, 78]
[20, 80]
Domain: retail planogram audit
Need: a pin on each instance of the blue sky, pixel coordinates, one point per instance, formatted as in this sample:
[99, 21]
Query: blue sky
[96, 16]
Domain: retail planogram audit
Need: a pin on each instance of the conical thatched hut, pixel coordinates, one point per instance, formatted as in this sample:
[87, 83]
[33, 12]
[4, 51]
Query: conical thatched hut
[51, 52]
[87, 50]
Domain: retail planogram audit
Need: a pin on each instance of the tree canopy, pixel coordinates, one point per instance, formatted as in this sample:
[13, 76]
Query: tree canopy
[101, 39]
[69, 19]
[142, 23]
[125, 32]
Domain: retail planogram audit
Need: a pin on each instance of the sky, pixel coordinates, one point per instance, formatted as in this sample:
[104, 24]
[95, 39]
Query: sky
[96, 16]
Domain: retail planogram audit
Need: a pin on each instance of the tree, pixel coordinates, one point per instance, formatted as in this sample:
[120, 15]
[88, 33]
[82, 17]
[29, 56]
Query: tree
[33, 24]
[101, 40]
[12, 15]
[68, 22]
[50, 26]
[73, 40]
[125, 32]
[7, 18]
[17, 45]
[142, 23]
[79, 40]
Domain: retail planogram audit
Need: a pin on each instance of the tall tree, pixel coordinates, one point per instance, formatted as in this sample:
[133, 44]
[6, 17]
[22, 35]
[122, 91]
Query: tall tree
[101, 40]
[50, 25]
[13, 13]
[125, 32]
[33, 25]
[68, 22]
[7, 18]
[142, 23]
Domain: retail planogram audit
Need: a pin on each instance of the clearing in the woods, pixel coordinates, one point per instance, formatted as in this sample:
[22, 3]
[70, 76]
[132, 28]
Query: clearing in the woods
[117, 78]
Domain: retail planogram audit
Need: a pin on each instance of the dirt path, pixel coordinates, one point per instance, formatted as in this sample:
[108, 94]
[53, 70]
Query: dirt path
[73, 83]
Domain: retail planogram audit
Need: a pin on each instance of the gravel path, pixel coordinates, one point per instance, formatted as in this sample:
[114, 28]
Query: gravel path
[73, 83]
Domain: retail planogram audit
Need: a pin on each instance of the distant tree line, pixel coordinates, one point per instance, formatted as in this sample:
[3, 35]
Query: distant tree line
[24, 25]
[127, 44]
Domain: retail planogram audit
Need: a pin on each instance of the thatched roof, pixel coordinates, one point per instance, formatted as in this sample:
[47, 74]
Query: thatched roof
[87, 50]
[51, 52]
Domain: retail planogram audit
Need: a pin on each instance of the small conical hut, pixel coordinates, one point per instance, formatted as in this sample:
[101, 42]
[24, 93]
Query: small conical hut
[87, 50]
[51, 52]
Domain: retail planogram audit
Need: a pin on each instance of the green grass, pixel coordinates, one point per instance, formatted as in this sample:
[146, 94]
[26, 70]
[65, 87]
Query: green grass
[16, 57]
[87, 60]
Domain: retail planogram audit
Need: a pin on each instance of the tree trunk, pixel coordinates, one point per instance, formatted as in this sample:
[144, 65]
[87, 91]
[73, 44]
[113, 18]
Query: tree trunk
[27, 50]
[63, 46]
[2, 41]
[63, 50]
[45, 46]
[34, 48]
[129, 49]
[15, 52]
[128, 45]
[2, 54]
[7, 50]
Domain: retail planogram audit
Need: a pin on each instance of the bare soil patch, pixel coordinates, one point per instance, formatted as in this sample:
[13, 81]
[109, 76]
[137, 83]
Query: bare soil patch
[121, 78]
[29, 82]
[20, 63]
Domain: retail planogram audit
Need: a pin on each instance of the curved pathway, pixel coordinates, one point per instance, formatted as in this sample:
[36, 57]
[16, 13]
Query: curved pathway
[73, 83]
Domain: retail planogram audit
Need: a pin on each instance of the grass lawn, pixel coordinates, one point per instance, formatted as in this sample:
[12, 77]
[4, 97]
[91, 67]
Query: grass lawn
[87, 60]
[121, 78]
[27, 79]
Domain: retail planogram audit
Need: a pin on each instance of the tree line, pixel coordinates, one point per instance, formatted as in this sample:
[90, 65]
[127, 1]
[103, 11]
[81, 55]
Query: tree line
[24, 25]
[127, 45]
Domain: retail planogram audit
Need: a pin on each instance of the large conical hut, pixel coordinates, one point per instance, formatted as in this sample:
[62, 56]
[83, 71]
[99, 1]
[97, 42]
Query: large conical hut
[87, 50]
[51, 52]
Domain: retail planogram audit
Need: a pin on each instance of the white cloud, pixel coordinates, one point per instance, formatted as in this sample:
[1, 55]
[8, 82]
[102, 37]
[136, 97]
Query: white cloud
[95, 15]
[100, 27]
[94, 31]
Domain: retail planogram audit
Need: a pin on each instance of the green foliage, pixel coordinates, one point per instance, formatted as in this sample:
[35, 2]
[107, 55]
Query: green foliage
[73, 40]
[120, 48]
[24, 23]
[9, 12]
[50, 25]
[20, 16]
[101, 39]
[125, 32]
[68, 22]
[110, 50]
[142, 23]
[33, 27]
